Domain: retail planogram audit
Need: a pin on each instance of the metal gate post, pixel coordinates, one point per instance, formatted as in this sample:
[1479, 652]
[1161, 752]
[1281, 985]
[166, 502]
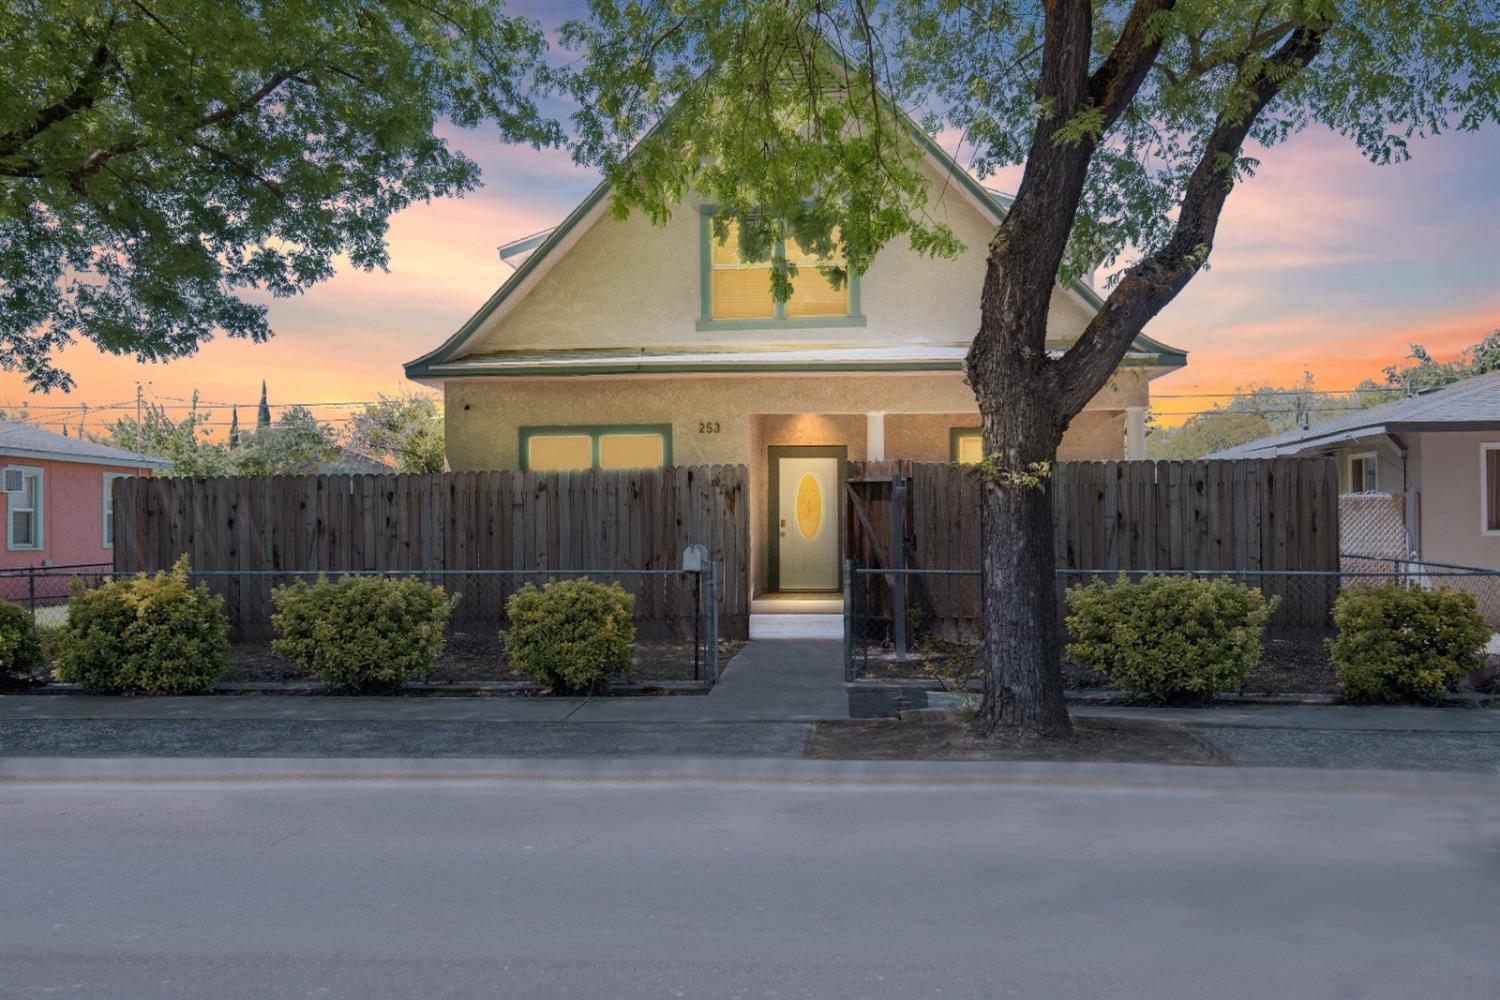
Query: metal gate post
[849, 565]
[898, 563]
[697, 617]
[711, 599]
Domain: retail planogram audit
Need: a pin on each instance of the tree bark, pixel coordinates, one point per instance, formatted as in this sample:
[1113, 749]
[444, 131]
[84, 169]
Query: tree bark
[1010, 373]
[1022, 648]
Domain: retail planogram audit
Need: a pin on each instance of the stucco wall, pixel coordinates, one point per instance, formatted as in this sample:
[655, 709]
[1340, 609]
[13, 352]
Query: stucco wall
[72, 513]
[1450, 500]
[483, 416]
[634, 284]
[1390, 477]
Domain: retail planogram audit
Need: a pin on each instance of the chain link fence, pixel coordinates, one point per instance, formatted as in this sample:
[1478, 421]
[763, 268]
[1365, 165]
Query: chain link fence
[940, 617]
[676, 615]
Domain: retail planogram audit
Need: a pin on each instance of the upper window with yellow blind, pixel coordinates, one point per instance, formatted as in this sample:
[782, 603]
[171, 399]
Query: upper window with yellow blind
[737, 293]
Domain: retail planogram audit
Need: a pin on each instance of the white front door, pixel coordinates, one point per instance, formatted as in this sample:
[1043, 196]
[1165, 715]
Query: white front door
[807, 526]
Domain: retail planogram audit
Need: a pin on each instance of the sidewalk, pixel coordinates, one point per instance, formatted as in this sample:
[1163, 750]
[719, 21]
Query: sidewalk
[769, 680]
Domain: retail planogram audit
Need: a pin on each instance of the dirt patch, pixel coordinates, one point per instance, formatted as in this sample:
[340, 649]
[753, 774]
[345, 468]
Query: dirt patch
[1287, 666]
[1119, 741]
[477, 656]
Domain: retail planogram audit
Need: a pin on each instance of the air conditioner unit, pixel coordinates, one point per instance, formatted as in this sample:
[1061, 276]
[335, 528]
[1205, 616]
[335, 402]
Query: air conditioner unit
[15, 480]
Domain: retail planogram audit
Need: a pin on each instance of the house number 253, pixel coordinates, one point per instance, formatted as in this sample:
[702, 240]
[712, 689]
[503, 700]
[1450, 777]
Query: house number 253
[708, 427]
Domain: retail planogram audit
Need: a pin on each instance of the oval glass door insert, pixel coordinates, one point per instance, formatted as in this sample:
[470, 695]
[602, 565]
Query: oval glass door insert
[809, 506]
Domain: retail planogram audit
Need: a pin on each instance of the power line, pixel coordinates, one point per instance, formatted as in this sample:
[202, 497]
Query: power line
[1273, 392]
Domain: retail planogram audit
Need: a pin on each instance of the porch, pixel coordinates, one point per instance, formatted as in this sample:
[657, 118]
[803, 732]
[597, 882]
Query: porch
[800, 490]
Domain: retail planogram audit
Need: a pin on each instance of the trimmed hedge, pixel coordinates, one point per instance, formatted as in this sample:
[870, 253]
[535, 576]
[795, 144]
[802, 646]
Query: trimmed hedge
[145, 634]
[571, 635]
[1398, 643]
[1169, 638]
[20, 646]
[362, 632]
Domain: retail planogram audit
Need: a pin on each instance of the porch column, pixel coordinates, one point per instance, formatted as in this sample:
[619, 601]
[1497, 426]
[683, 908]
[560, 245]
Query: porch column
[875, 437]
[1135, 432]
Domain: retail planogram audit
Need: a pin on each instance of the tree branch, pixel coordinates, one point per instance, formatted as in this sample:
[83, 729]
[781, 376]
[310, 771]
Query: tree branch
[1153, 282]
[82, 97]
[101, 156]
[1114, 84]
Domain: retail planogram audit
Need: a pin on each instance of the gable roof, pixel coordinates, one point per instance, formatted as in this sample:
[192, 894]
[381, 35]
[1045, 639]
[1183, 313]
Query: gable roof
[22, 440]
[539, 251]
[1468, 405]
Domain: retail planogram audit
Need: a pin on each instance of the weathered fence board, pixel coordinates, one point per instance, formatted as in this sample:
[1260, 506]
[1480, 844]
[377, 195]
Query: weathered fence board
[598, 520]
[1247, 515]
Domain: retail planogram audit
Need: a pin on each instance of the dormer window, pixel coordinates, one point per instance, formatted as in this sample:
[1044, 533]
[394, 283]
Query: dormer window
[736, 293]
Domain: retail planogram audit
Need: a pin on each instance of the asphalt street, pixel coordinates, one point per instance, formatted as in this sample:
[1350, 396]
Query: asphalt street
[717, 878]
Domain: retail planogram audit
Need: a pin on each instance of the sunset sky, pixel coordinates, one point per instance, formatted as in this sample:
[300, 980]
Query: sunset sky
[1322, 261]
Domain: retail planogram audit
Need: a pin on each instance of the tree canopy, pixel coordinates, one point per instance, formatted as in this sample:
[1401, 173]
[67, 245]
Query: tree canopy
[296, 443]
[161, 162]
[790, 113]
[407, 429]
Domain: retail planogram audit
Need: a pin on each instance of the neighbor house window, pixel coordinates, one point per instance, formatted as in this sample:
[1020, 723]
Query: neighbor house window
[737, 291]
[1363, 477]
[1489, 488]
[557, 449]
[23, 527]
[109, 507]
[966, 445]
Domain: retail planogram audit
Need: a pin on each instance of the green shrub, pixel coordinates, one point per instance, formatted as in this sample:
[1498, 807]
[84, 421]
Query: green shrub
[1169, 638]
[148, 634]
[1396, 642]
[571, 635]
[20, 649]
[362, 632]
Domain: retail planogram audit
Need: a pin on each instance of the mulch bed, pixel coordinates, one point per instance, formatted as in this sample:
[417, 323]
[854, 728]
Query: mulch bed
[1121, 741]
[478, 656]
[1287, 666]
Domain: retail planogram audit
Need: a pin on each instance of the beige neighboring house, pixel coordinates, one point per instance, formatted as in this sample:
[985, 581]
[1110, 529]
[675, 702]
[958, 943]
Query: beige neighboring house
[625, 344]
[1436, 454]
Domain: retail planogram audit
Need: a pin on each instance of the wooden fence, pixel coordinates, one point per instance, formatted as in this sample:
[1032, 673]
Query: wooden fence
[1248, 515]
[594, 520]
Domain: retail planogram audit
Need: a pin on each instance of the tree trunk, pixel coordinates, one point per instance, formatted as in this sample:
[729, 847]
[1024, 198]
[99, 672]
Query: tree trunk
[1023, 690]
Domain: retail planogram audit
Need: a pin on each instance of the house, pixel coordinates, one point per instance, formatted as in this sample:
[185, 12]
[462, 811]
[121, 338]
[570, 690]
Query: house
[1436, 454]
[621, 344]
[57, 497]
[346, 461]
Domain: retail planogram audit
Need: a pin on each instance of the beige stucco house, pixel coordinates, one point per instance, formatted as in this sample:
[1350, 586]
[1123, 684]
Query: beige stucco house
[623, 343]
[1436, 453]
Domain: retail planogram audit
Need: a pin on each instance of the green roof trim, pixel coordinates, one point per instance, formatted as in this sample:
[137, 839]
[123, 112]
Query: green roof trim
[524, 369]
[420, 367]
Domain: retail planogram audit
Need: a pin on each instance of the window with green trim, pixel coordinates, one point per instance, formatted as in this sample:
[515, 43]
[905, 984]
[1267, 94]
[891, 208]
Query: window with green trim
[737, 292]
[610, 446]
[966, 445]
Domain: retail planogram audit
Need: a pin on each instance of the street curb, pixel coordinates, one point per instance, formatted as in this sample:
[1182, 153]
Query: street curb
[455, 689]
[1114, 696]
[750, 771]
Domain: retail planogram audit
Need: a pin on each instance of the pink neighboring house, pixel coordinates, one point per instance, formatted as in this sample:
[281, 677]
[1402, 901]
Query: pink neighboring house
[57, 498]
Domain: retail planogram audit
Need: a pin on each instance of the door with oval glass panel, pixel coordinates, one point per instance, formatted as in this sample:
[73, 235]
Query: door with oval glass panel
[807, 485]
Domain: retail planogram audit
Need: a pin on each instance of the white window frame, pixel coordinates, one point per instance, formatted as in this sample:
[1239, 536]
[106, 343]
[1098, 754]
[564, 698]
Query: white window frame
[1374, 458]
[1484, 494]
[38, 510]
[108, 478]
